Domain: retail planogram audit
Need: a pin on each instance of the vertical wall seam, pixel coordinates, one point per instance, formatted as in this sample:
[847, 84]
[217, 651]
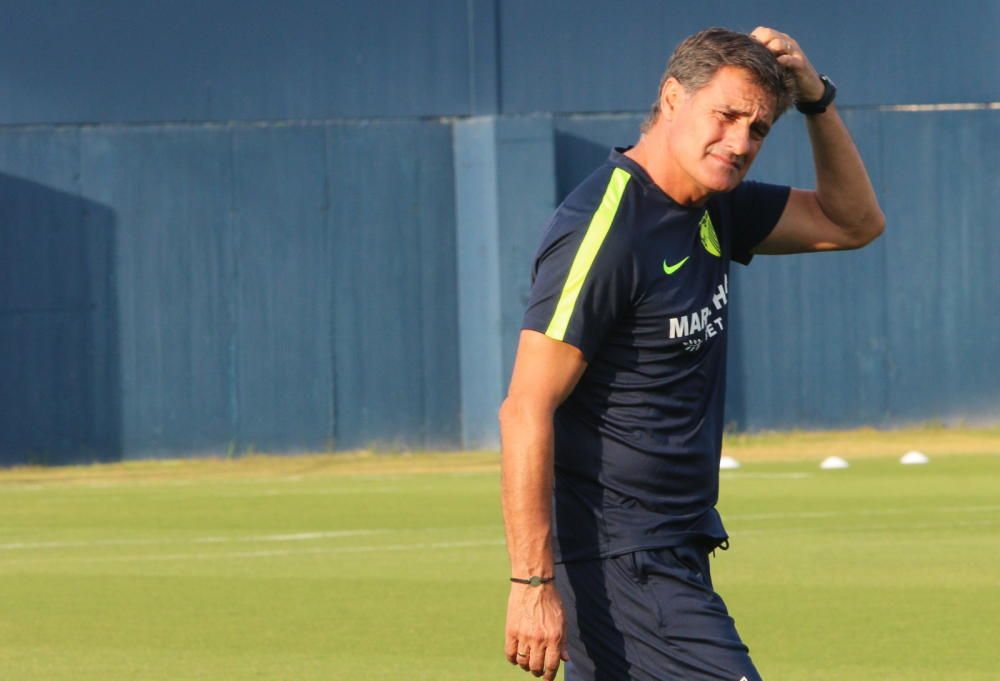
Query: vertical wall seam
[232, 228]
[497, 52]
[886, 337]
[328, 241]
[470, 42]
[425, 377]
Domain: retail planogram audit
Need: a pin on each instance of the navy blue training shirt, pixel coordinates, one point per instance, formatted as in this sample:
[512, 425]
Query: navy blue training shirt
[639, 283]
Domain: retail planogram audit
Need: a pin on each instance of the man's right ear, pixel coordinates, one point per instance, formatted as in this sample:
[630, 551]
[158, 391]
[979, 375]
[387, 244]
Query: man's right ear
[670, 97]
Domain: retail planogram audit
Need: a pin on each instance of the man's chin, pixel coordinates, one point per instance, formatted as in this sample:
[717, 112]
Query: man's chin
[720, 185]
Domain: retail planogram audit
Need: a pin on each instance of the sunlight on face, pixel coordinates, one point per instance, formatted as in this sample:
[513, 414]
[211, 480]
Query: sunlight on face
[716, 132]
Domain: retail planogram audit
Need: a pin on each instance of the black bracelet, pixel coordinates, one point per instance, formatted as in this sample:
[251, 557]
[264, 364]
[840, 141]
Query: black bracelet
[534, 580]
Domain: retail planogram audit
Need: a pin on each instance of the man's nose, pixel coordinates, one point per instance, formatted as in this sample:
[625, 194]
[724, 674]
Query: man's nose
[738, 140]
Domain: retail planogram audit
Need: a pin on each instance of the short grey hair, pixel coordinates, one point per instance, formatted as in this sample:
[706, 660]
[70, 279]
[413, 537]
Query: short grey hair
[697, 59]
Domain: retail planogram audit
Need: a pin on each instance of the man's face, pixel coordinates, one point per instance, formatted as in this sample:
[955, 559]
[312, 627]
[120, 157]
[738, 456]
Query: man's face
[716, 132]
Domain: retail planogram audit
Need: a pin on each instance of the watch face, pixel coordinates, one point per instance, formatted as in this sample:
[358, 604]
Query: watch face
[535, 580]
[831, 89]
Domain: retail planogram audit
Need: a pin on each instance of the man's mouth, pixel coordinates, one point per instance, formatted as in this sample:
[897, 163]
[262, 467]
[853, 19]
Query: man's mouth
[734, 163]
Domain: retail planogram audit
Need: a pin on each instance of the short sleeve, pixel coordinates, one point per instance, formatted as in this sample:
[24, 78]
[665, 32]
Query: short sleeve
[756, 208]
[580, 314]
[583, 275]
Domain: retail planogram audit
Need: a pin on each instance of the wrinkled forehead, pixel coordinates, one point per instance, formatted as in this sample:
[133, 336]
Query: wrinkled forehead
[736, 90]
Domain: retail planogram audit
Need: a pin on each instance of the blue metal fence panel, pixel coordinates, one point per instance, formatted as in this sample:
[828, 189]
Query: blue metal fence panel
[572, 56]
[257, 60]
[526, 178]
[942, 252]
[809, 334]
[842, 318]
[142, 60]
[584, 142]
[477, 243]
[58, 390]
[505, 194]
[395, 307]
[283, 305]
[170, 190]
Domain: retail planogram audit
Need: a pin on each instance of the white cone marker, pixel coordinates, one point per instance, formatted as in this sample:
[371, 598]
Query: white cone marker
[728, 463]
[914, 458]
[833, 463]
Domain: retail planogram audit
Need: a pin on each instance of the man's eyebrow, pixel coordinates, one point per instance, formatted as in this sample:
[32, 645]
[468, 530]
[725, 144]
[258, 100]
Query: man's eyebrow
[760, 127]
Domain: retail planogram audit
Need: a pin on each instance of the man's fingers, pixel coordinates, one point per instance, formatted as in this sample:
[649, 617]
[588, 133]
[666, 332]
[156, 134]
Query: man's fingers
[510, 648]
[779, 43]
[763, 34]
[551, 665]
[524, 658]
[536, 662]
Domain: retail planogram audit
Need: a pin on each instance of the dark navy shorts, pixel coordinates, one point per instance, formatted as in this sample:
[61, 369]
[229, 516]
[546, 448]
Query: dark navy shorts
[650, 616]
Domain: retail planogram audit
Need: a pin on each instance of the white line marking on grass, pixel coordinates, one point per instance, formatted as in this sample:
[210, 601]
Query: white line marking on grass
[968, 509]
[411, 547]
[294, 552]
[785, 516]
[861, 513]
[880, 527]
[767, 476]
[300, 536]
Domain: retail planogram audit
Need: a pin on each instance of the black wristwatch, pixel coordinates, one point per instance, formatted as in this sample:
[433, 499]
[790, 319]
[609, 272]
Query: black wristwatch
[819, 106]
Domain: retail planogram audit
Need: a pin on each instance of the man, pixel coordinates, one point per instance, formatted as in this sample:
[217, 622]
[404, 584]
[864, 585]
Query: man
[612, 428]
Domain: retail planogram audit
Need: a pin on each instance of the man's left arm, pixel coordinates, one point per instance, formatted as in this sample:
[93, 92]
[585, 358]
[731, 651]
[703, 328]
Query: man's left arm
[843, 212]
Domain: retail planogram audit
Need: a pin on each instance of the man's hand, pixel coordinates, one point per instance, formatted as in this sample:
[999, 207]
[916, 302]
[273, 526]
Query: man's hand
[808, 86]
[535, 629]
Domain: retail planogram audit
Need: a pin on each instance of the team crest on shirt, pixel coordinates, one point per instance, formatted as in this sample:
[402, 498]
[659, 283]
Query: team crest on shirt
[697, 327]
[709, 239]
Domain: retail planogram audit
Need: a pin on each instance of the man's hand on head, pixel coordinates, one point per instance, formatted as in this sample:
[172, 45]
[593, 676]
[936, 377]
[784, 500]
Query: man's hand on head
[808, 86]
[842, 212]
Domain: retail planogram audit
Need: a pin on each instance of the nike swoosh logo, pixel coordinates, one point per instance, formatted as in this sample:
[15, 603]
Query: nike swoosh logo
[670, 269]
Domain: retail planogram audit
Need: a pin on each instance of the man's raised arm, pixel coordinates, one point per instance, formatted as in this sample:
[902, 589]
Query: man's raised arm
[843, 212]
[545, 372]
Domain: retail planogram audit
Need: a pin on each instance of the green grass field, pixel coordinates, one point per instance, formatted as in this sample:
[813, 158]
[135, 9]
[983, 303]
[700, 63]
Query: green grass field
[365, 567]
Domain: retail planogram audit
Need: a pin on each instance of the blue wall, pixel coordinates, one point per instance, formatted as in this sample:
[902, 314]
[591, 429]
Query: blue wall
[571, 56]
[74, 61]
[217, 60]
[249, 226]
[224, 288]
[59, 388]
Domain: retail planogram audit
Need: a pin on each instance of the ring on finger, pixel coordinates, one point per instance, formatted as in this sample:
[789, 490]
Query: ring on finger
[522, 654]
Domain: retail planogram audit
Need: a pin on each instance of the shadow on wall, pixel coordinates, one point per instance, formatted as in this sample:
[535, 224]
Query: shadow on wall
[576, 158]
[60, 395]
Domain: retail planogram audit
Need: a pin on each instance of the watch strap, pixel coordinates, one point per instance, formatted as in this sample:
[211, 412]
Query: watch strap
[821, 104]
